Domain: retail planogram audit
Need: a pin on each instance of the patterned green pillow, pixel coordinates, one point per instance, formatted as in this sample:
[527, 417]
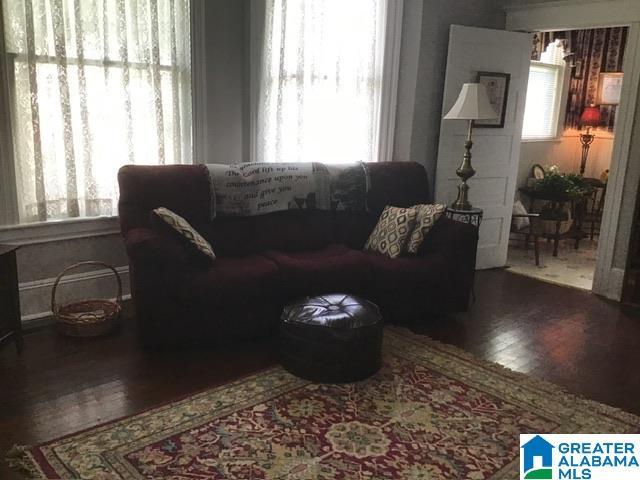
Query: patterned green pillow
[392, 232]
[186, 231]
[428, 215]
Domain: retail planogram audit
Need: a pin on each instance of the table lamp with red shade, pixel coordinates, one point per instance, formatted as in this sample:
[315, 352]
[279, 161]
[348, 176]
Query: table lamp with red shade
[590, 118]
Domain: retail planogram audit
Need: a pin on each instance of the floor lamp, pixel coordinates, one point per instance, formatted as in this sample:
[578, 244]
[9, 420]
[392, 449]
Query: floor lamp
[590, 118]
[472, 104]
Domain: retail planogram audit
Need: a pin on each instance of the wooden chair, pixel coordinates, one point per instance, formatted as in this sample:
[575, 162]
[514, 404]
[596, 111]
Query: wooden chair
[595, 205]
[532, 231]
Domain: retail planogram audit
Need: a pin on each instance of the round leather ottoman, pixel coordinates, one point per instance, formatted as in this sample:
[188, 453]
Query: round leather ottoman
[331, 338]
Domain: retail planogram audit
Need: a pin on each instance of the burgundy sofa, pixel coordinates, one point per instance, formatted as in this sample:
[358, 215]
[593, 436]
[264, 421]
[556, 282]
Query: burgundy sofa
[265, 261]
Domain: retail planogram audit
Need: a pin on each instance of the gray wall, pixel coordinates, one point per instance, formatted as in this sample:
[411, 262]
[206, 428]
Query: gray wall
[407, 78]
[227, 80]
[40, 262]
[422, 65]
[429, 71]
[420, 83]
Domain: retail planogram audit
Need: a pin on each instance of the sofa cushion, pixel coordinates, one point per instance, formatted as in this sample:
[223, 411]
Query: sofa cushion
[335, 268]
[184, 189]
[353, 228]
[229, 279]
[291, 230]
[402, 184]
[392, 232]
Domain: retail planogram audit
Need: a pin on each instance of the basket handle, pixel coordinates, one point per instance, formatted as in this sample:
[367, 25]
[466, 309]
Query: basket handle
[54, 307]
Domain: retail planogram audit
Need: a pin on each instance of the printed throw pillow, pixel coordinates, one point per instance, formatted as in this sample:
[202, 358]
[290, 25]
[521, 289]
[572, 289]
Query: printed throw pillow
[392, 231]
[186, 231]
[428, 215]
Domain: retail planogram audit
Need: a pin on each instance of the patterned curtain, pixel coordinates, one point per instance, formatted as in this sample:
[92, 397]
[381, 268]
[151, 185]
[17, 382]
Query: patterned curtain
[595, 51]
[95, 84]
[321, 81]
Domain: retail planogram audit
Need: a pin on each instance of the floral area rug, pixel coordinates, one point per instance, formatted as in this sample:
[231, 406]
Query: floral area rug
[432, 412]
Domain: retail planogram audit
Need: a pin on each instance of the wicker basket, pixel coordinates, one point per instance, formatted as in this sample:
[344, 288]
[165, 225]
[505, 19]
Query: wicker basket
[87, 318]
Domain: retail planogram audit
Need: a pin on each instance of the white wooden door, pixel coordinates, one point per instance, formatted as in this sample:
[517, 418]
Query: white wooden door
[496, 151]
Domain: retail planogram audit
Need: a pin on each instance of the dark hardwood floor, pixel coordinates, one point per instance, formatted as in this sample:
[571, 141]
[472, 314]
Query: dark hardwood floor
[57, 386]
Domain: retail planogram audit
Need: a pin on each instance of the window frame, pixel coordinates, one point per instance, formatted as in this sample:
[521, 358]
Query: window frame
[8, 187]
[11, 231]
[559, 100]
[390, 74]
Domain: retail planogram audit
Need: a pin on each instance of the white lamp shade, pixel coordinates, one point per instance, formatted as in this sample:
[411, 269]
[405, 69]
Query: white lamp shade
[472, 104]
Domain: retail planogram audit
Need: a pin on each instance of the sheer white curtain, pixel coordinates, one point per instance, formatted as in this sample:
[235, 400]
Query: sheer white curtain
[321, 81]
[94, 84]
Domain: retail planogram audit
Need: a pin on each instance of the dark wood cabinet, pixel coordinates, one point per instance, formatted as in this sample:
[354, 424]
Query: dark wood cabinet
[10, 319]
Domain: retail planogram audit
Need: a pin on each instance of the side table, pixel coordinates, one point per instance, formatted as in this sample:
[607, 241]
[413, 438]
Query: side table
[578, 209]
[10, 319]
[473, 216]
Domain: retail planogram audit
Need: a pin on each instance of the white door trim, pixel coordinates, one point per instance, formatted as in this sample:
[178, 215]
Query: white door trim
[572, 15]
[602, 13]
[606, 280]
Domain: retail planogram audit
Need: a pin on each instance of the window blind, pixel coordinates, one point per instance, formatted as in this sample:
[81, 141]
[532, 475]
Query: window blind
[542, 104]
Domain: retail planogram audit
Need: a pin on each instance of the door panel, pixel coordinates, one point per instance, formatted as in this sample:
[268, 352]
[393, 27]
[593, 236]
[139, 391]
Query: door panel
[496, 151]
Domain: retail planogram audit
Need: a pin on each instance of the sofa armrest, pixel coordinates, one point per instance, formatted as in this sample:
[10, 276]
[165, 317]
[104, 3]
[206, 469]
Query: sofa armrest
[157, 262]
[458, 243]
[147, 246]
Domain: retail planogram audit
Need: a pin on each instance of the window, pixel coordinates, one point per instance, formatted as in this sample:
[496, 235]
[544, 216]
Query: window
[544, 94]
[93, 86]
[321, 85]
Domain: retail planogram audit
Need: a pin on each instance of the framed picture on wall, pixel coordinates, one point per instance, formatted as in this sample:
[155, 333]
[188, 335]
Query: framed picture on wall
[497, 86]
[609, 88]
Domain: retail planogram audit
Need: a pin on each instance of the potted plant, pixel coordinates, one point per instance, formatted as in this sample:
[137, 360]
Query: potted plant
[560, 190]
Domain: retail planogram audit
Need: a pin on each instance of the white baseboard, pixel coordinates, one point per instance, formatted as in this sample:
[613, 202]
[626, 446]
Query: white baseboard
[35, 296]
[609, 284]
[615, 284]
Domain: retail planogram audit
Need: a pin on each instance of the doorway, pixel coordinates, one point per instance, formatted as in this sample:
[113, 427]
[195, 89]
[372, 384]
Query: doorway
[574, 90]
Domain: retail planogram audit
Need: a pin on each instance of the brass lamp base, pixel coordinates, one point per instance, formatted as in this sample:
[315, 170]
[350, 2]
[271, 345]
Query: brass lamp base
[586, 139]
[462, 202]
[465, 171]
